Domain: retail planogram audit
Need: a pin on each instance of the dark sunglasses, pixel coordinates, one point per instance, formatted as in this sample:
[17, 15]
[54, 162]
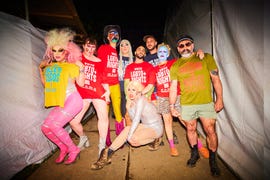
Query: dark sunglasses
[59, 50]
[183, 45]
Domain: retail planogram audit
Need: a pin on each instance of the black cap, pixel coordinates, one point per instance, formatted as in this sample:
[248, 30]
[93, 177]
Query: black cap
[184, 37]
[109, 28]
[148, 36]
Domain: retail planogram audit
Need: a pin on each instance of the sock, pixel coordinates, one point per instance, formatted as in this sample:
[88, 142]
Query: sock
[200, 145]
[171, 143]
[110, 151]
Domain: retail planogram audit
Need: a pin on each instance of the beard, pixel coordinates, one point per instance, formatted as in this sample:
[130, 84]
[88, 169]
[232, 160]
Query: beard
[186, 53]
[139, 56]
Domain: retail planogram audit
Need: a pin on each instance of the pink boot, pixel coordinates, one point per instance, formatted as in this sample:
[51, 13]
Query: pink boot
[72, 156]
[119, 126]
[62, 155]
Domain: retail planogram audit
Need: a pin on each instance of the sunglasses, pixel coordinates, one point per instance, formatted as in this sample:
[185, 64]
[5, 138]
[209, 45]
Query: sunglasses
[59, 50]
[183, 45]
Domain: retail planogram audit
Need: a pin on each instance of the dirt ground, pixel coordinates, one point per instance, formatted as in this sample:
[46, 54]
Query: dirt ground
[130, 163]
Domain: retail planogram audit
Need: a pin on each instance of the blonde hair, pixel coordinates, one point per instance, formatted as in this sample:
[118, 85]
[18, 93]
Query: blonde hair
[136, 85]
[130, 56]
[63, 38]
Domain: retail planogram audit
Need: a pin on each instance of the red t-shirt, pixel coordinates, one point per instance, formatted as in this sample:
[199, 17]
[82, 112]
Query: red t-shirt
[109, 58]
[143, 72]
[94, 77]
[163, 80]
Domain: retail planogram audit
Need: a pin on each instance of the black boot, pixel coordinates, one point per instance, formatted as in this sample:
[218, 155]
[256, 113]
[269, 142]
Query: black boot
[215, 171]
[194, 156]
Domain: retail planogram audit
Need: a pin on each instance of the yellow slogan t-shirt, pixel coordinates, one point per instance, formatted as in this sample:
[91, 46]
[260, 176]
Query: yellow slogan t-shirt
[56, 80]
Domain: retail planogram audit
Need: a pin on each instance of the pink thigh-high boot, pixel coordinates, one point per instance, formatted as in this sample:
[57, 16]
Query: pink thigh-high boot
[62, 116]
[45, 128]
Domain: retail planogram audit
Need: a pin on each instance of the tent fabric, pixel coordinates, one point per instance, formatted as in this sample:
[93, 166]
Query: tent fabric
[266, 88]
[233, 31]
[22, 109]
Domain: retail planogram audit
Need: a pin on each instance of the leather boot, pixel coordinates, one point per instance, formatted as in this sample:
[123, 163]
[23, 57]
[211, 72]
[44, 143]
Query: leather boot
[194, 156]
[155, 144]
[102, 160]
[215, 171]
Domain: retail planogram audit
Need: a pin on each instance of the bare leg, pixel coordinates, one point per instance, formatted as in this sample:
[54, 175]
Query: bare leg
[77, 127]
[103, 121]
[143, 135]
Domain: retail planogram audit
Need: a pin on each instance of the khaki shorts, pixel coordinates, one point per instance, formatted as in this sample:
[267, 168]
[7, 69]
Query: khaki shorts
[191, 112]
[163, 105]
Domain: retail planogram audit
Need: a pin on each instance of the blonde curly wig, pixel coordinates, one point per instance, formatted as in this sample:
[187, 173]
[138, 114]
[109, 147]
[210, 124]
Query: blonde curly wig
[63, 38]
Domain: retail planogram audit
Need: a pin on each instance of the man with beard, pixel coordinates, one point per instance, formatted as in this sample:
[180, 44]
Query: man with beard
[151, 46]
[142, 72]
[196, 78]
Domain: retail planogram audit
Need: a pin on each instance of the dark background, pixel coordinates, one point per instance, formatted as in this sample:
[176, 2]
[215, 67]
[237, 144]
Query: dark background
[136, 18]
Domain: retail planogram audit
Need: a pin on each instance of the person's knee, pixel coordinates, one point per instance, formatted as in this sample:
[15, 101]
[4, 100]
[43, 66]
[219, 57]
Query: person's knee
[74, 123]
[134, 142]
[191, 127]
[210, 130]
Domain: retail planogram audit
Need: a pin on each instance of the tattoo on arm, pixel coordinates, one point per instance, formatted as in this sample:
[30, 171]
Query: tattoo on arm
[215, 73]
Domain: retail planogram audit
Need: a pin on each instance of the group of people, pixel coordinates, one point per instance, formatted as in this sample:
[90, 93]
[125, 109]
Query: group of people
[146, 90]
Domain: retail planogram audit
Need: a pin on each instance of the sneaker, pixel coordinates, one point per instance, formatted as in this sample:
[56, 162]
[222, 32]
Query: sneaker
[174, 152]
[204, 152]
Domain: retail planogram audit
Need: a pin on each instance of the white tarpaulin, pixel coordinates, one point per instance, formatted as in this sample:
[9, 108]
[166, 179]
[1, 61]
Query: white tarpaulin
[234, 31]
[22, 109]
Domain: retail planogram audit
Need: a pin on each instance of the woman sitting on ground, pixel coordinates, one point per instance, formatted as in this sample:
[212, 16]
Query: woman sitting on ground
[146, 125]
